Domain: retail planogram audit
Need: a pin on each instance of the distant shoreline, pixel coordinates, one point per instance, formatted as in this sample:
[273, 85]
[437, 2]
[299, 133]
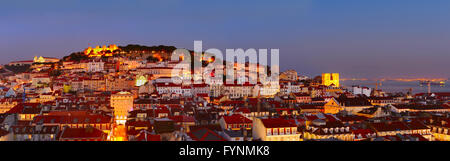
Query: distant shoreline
[393, 86]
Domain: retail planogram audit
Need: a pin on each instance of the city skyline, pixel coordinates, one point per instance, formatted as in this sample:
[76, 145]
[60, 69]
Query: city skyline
[255, 72]
[371, 39]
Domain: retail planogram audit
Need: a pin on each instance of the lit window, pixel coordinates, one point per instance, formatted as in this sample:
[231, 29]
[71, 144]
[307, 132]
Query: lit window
[275, 131]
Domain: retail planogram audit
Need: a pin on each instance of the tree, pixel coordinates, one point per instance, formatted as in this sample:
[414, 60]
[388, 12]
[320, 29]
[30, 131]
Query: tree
[152, 59]
[317, 79]
[77, 56]
[56, 73]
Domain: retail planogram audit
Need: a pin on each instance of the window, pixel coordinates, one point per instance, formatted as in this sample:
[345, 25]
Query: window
[288, 130]
[275, 131]
[269, 132]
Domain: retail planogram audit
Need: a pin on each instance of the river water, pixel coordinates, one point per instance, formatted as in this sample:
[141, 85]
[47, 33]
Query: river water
[397, 86]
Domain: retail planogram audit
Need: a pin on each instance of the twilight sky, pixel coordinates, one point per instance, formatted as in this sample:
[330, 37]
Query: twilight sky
[357, 38]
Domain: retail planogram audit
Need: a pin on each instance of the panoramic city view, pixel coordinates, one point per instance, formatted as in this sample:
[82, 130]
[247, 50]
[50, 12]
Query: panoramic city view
[302, 70]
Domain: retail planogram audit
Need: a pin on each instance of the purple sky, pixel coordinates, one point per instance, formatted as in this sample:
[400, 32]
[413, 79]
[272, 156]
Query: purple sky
[370, 38]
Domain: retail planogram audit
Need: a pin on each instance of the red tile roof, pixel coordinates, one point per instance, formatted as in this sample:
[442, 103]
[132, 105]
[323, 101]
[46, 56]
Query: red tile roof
[390, 126]
[205, 134]
[82, 133]
[277, 122]
[182, 118]
[76, 119]
[243, 110]
[148, 137]
[3, 132]
[363, 132]
[202, 95]
[236, 119]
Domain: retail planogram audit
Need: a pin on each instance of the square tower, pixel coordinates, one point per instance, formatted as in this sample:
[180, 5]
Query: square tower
[330, 79]
[122, 103]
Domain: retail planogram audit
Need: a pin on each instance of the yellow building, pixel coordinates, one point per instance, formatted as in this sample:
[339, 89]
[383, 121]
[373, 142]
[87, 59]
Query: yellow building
[122, 103]
[275, 129]
[67, 88]
[332, 107]
[440, 130]
[329, 79]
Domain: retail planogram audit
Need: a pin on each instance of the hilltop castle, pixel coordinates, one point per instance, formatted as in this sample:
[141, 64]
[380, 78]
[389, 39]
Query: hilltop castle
[101, 51]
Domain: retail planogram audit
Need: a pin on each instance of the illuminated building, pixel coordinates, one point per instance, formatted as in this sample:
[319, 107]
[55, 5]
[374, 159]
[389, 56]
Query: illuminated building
[275, 129]
[322, 130]
[332, 107]
[238, 90]
[391, 128]
[95, 66]
[119, 133]
[354, 104]
[45, 60]
[362, 90]
[141, 80]
[169, 88]
[383, 101]
[120, 84]
[74, 119]
[235, 122]
[76, 85]
[290, 75]
[158, 72]
[46, 97]
[40, 81]
[101, 51]
[122, 103]
[67, 88]
[95, 84]
[302, 97]
[266, 90]
[26, 111]
[330, 79]
[7, 104]
[289, 88]
[34, 133]
[440, 129]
